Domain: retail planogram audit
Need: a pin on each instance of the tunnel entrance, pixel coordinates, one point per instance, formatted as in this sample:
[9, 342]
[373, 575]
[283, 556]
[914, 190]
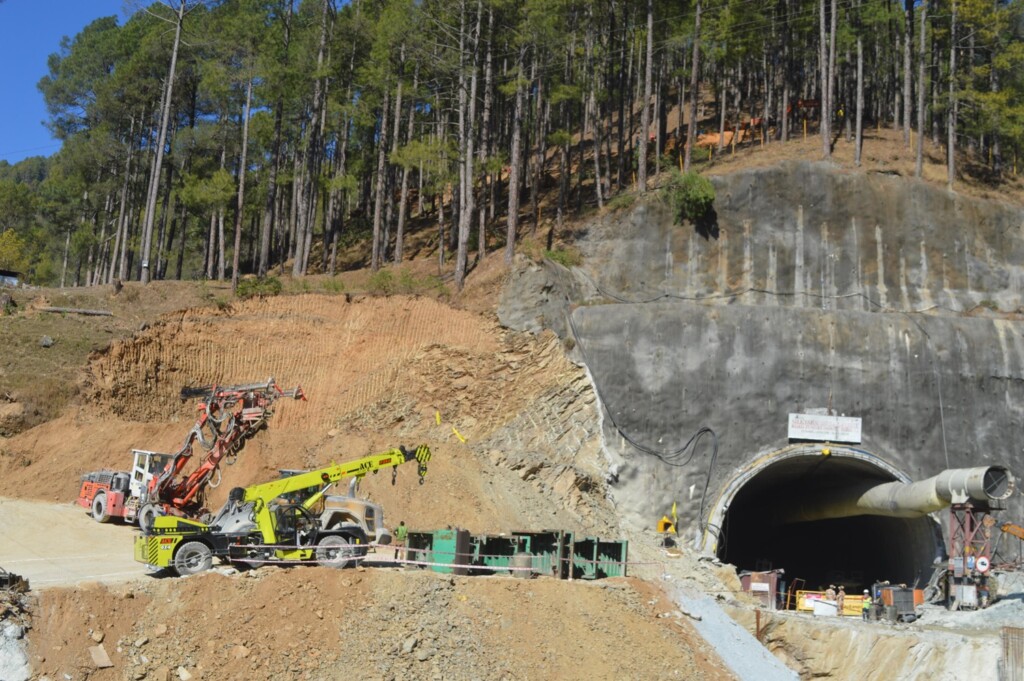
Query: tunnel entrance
[855, 551]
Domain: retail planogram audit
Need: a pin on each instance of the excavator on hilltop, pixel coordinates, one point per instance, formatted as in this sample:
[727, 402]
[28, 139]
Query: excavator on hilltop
[272, 522]
[156, 485]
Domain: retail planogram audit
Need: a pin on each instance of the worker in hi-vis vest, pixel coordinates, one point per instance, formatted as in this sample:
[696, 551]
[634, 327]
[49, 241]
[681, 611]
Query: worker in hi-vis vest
[401, 533]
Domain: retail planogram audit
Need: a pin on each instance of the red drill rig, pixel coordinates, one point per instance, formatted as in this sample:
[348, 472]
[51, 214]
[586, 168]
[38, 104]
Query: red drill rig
[157, 485]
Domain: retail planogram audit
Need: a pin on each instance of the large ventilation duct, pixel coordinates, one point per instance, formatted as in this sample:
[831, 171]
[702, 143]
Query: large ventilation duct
[982, 485]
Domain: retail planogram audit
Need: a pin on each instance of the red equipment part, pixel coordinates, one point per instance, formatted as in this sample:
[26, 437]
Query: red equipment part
[230, 414]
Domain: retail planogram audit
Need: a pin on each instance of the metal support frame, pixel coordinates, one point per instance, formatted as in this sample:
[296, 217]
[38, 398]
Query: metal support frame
[970, 544]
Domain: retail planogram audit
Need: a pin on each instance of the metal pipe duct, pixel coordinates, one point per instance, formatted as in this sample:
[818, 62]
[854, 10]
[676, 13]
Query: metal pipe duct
[901, 500]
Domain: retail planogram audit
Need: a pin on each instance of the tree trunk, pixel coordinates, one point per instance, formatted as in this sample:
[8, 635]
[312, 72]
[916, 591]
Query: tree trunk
[919, 162]
[908, 35]
[825, 108]
[404, 197]
[241, 186]
[515, 156]
[122, 223]
[645, 117]
[378, 196]
[269, 214]
[64, 265]
[180, 263]
[307, 196]
[951, 112]
[466, 200]
[860, 102]
[154, 180]
[485, 139]
[691, 136]
[389, 194]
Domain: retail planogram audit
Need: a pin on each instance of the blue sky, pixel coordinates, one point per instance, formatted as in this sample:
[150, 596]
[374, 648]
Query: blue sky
[30, 30]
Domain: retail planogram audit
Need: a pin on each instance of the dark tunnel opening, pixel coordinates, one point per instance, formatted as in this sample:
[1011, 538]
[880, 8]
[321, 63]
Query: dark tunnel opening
[853, 551]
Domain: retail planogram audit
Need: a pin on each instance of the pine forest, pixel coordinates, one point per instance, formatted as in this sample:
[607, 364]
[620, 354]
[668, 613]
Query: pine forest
[240, 138]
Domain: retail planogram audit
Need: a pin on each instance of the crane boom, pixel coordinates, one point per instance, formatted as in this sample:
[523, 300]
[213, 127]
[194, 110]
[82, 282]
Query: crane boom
[325, 478]
[271, 522]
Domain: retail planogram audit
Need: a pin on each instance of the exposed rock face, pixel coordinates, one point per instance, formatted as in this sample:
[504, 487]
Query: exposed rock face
[869, 295]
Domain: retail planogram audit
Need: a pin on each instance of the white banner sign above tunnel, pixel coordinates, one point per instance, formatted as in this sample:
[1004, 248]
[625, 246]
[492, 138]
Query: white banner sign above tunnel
[824, 428]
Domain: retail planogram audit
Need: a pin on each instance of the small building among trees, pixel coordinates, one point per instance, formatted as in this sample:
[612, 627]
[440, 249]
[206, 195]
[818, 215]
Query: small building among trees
[10, 278]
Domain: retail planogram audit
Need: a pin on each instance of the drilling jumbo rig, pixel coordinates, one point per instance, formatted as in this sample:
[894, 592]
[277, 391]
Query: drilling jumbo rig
[228, 416]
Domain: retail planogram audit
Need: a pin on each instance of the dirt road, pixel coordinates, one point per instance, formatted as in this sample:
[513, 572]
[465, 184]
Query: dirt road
[59, 545]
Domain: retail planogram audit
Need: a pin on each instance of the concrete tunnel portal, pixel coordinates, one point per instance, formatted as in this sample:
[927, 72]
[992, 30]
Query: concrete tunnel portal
[756, 530]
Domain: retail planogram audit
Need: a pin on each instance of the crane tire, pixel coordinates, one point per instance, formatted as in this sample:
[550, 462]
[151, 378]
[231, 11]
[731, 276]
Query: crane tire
[335, 552]
[192, 557]
[99, 508]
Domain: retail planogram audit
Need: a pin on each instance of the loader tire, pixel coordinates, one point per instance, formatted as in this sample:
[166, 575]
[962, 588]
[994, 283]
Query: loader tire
[192, 557]
[99, 508]
[335, 552]
[147, 514]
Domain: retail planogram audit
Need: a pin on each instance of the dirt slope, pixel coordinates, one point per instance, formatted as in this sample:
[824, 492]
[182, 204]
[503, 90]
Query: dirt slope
[378, 372]
[315, 623]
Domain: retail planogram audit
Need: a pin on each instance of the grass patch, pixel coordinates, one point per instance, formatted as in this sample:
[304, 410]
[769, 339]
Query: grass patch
[622, 201]
[567, 256]
[260, 287]
[334, 285]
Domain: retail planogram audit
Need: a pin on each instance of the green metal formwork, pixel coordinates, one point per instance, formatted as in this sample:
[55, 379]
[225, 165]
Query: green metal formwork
[452, 549]
[550, 550]
[554, 553]
[448, 549]
[493, 553]
[595, 559]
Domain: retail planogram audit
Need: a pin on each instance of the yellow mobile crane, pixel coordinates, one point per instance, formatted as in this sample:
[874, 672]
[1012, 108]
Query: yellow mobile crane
[270, 522]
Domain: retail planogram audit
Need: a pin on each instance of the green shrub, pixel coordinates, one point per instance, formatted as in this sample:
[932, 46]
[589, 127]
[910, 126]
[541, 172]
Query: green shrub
[381, 282]
[566, 257]
[259, 287]
[334, 285]
[406, 282]
[434, 284]
[690, 195]
[622, 201]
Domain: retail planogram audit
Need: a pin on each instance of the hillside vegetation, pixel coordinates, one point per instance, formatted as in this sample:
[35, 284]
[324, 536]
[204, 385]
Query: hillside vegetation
[210, 140]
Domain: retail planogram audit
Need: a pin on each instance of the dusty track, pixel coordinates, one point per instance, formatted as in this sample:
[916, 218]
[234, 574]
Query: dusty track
[59, 545]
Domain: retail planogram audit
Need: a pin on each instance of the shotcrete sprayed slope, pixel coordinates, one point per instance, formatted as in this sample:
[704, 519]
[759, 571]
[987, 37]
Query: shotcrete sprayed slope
[817, 289]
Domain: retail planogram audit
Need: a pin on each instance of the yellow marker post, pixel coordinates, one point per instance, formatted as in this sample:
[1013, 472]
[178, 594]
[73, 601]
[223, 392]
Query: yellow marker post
[437, 417]
[458, 435]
